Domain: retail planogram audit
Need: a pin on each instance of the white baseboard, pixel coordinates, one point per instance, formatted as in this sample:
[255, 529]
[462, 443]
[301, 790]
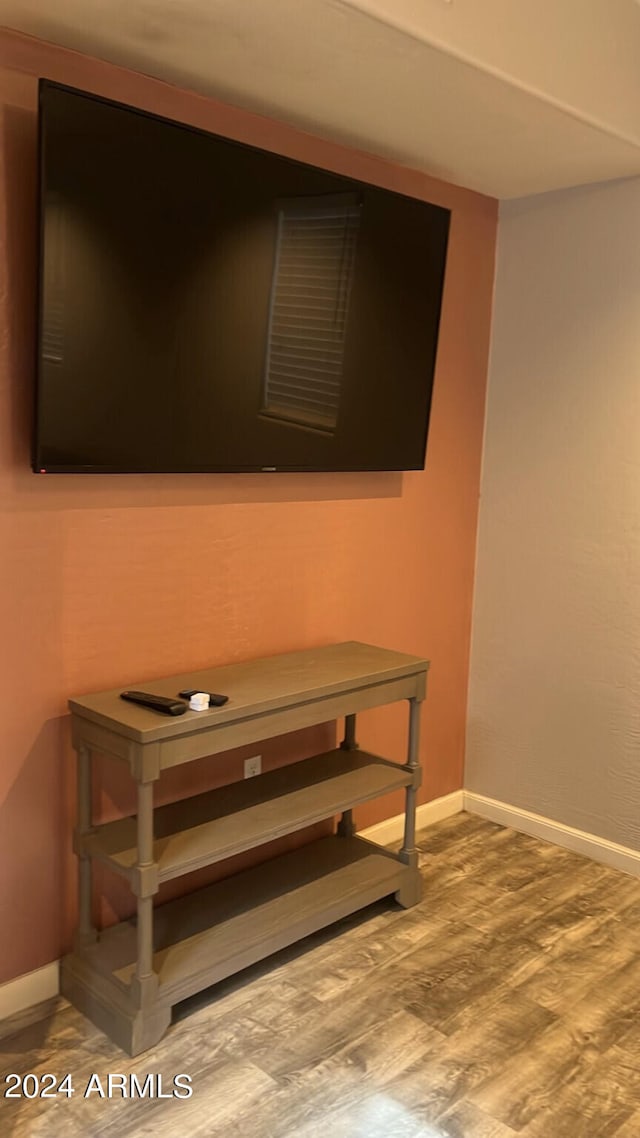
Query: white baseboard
[392, 829]
[32, 988]
[599, 849]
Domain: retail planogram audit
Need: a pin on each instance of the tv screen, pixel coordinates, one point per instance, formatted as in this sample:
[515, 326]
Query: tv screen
[207, 306]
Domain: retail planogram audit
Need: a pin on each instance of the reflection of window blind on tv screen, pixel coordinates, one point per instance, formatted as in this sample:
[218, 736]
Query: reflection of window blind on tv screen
[206, 306]
[314, 262]
[53, 323]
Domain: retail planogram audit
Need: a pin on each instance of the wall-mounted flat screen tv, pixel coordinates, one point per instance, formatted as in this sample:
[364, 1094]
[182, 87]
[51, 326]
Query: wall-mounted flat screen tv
[208, 306]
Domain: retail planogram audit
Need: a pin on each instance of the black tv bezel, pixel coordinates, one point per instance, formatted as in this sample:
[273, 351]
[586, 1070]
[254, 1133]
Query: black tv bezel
[49, 84]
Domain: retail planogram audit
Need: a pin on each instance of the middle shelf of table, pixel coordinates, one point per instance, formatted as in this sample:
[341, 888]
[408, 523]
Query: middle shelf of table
[206, 828]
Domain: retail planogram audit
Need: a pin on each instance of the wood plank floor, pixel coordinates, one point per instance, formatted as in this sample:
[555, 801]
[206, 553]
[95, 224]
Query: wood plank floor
[506, 1003]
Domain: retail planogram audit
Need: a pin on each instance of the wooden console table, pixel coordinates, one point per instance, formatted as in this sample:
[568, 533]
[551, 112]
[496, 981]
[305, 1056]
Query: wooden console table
[127, 978]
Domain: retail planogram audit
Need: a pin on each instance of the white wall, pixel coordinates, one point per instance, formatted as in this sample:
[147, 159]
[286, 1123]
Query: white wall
[554, 709]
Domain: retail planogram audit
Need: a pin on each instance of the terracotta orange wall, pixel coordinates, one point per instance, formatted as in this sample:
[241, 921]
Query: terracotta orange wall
[109, 580]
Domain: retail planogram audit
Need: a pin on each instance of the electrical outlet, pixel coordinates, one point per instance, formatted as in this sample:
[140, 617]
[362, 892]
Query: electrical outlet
[252, 766]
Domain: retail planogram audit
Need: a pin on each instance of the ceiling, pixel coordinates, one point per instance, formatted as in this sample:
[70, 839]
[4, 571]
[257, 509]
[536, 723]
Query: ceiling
[505, 98]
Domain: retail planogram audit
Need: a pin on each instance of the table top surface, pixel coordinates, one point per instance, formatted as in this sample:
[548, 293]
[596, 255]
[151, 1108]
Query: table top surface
[254, 687]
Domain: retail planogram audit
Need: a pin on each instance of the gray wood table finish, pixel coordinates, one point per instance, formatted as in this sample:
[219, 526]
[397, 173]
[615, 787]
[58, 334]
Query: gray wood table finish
[127, 978]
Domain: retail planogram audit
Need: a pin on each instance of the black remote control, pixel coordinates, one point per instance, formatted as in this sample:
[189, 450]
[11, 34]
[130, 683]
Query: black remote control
[155, 702]
[214, 699]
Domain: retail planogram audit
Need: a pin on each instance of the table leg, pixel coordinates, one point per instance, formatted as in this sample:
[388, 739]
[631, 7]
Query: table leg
[86, 932]
[346, 825]
[145, 982]
[410, 894]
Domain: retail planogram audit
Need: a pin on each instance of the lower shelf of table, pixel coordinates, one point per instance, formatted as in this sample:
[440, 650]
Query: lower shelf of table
[223, 928]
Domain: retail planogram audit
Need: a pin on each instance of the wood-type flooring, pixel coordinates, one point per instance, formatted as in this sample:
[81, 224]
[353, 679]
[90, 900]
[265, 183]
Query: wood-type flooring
[506, 1003]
